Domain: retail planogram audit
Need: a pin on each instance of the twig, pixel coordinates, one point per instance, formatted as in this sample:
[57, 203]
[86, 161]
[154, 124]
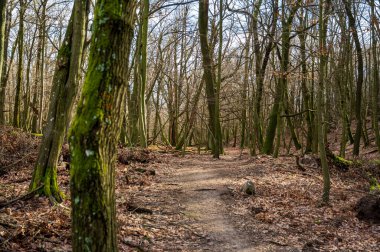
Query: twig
[47, 240]
[299, 165]
[278, 243]
[141, 210]
[22, 197]
[8, 225]
[300, 113]
[204, 189]
[133, 245]
[18, 161]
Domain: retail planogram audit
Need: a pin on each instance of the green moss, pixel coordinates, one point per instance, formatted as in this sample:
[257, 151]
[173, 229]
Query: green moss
[49, 179]
[343, 161]
[373, 184]
[37, 134]
[375, 162]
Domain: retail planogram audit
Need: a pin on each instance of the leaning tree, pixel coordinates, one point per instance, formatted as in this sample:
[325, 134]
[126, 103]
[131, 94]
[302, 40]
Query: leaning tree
[64, 90]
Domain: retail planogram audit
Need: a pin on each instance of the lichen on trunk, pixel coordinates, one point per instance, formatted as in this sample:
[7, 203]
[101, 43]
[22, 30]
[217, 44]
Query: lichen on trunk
[96, 128]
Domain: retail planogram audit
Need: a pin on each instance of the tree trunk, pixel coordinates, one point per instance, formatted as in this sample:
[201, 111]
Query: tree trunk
[323, 8]
[19, 80]
[26, 113]
[143, 70]
[375, 80]
[282, 83]
[63, 93]
[209, 74]
[3, 56]
[96, 128]
[305, 90]
[359, 81]
[42, 68]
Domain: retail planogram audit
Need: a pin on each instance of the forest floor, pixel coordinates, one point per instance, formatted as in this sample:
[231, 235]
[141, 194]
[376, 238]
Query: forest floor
[170, 202]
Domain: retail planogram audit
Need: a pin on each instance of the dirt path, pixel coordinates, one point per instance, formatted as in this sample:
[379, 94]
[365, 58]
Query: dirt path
[204, 185]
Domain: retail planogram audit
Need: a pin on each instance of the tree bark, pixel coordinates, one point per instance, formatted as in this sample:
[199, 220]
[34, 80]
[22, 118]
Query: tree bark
[64, 90]
[375, 80]
[19, 79]
[282, 83]
[359, 81]
[3, 56]
[209, 75]
[323, 8]
[96, 128]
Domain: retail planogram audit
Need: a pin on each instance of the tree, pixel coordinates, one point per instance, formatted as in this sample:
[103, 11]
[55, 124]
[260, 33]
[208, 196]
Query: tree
[143, 75]
[3, 9]
[210, 80]
[96, 127]
[359, 81]
[281, 85]
[64, 90]
[5, 67]
[376, 78]
[17, 102]
[323, 8]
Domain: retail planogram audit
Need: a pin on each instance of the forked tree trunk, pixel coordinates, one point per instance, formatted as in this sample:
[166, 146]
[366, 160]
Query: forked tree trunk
[282, 83]
[96, 128]
[63, 93]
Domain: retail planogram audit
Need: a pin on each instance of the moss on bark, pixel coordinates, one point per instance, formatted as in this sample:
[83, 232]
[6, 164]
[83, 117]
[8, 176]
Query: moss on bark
[96, 128]
[64, 90]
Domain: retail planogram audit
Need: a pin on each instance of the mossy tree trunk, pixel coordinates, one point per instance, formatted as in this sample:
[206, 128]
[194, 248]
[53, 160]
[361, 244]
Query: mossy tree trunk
[63, 93]
[96, 128]
[210, 80]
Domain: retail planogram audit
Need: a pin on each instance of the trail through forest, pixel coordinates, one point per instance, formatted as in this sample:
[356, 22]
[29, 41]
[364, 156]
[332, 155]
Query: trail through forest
[203, 183]
[170, 202]
[208, 212]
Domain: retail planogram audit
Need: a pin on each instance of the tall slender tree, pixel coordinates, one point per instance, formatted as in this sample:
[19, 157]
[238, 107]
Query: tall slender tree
[19, 80]
[96, 128]
[143, 73]
[376, 77]
[3, 10]
[360, 77]
[210, 80]
[323, 9]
